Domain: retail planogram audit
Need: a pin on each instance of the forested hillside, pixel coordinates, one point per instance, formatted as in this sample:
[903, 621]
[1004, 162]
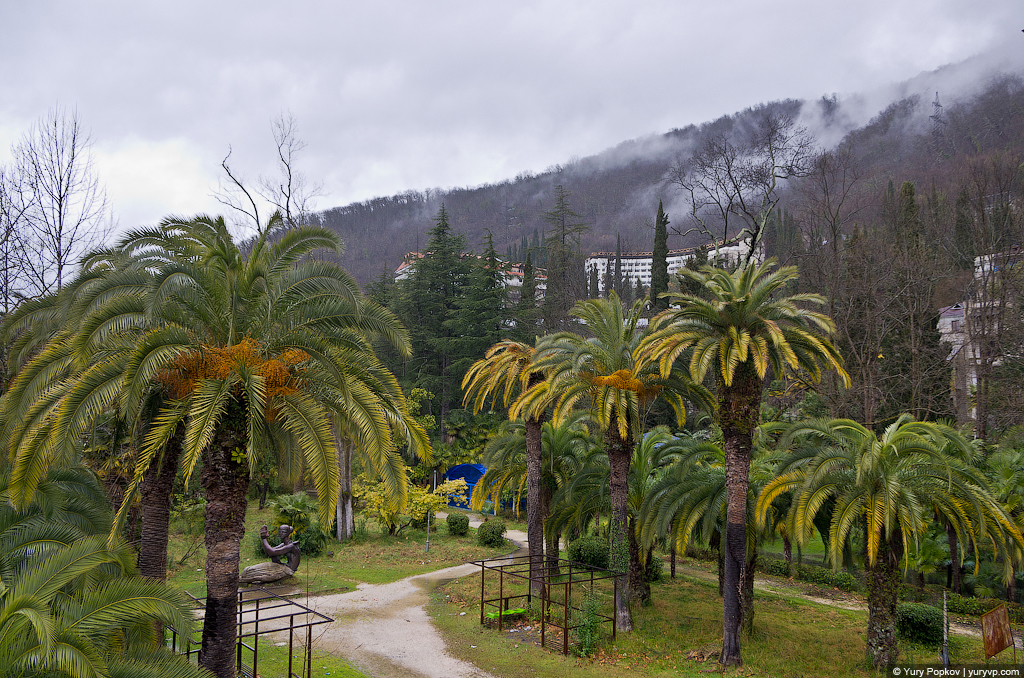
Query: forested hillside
[617, 191]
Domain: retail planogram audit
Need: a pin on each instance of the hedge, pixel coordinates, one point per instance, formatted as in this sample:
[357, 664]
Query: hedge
[919, 622]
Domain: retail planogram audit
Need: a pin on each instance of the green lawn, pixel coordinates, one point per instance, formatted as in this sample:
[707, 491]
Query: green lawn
[373, 558]
[681, 634]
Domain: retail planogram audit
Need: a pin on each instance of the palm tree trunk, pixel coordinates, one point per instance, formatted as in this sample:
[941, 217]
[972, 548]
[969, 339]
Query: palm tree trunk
[534, 505]
[747, 593]
[344, 515]
[551, 539]
[156, 489]
[738, 410]
[225, 483]
[883, 587]
[619, 456]
[953, 573]
[639, 587]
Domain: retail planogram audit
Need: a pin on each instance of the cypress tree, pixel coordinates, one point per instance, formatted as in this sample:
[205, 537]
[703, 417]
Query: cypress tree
[594, 292]
[617, 278]
[526, 309]
[480, 313]
[659, 261]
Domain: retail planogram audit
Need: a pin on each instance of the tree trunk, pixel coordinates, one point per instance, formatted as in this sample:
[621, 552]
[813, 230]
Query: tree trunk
[534, 505]
[672, 558]
[619, 456]
[953, 573]
[883, 587]
[639, 587]
[547, 490]
[738, 411]
[156, 490]
[344, 514]
[747, 593]
[787, 552]
[225, 483]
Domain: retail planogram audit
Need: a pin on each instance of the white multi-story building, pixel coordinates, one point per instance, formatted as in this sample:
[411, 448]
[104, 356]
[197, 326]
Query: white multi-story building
[637, 265]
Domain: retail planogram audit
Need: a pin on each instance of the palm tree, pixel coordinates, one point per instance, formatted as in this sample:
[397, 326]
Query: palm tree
[740, 325]
[563, 449]
[688, 502]
[892, 486]
[246, 349]
[609, 376]
[508, 371]
[586, 496]
[70, 604]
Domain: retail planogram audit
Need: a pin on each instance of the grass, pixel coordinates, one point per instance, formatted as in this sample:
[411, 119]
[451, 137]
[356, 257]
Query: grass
[681, 634]
[373, 559]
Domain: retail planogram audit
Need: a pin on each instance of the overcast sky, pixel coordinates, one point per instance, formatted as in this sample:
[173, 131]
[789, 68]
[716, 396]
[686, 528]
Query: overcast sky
[412, 95]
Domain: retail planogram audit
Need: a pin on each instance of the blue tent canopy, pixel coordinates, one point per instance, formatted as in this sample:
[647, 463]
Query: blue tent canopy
[471, 473]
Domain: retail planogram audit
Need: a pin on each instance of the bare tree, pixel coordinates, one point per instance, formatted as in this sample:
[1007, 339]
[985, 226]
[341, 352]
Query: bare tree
[54, 190]
[730, 181]
[12, 255]
[290, 192]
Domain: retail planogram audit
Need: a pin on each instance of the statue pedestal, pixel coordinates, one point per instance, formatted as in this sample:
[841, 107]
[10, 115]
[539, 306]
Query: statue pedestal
[264, 573]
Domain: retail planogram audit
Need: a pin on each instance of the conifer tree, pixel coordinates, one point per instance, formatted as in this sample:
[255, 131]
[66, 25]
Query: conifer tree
[526, 309]
[480, 313]
[659, 261]
[592, 279]
[565, 284]
[617, 277]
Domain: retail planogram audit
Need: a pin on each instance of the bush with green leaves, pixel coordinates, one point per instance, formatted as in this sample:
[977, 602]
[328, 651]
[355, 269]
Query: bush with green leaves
[458, 524]
[591, 551]
[491, 533]
[919, 622]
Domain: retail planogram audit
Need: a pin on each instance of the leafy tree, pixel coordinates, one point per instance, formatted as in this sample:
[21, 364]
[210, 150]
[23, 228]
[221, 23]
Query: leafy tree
[740, 325]
[890, 486]
[659, 261]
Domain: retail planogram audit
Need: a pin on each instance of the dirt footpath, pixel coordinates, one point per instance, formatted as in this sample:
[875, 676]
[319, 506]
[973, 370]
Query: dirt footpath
[385, 631]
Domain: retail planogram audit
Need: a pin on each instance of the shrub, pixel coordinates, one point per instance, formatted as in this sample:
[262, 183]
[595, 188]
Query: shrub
[979, 606]
[823, 576]
[657, 567]
[491, 533]
[458, 524]
[778, 568]
[300, 511]
[919, 622]
[591, 551]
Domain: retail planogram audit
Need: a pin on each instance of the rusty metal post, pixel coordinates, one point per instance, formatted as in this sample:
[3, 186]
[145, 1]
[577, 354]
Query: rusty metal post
[565, 628]
[309, 652]
[501, 595]
[615, 605]
[483, 571]
[291, 647]
[544, 600]
[238, 638]
[256, 641]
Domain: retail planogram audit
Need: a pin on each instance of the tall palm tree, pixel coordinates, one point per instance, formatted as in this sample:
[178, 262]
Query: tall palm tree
[563, 449]
[892, 486]
[688, 502]
[742, 324]
[246, 347]
[607, 374]
[507, 373]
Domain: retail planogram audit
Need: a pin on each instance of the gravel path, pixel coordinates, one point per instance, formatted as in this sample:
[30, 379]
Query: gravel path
[385, 631]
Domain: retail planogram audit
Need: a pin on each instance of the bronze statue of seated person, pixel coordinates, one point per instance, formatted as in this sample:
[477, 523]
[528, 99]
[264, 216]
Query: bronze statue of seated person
[287, 549]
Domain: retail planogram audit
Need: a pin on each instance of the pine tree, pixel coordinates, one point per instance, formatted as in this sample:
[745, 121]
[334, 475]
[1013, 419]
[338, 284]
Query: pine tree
[659, 261]
[565, 284]
[429, 299]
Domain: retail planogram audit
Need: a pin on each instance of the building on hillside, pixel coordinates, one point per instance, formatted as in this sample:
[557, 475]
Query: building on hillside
[637, 265]
[985, 328]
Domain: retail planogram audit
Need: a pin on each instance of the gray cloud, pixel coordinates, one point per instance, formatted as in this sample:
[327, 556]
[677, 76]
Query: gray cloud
[412, 95]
